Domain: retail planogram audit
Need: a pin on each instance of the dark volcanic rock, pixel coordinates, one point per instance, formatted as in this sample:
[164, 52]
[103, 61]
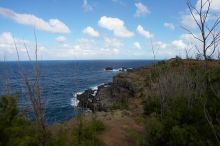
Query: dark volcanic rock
[108, 68]
[104, 97]
[100, 102]
[86, 99]
[122, 87]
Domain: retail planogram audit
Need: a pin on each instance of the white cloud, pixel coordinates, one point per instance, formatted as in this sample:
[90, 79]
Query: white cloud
[6, 42]
[169, 25]
[112, 43]
[91, 31]
[53, 25]
[87, 48]
[187, 38]
[144, 33]
[215, 5]
[116, 25]
[61, 39]
[169, 50]
[136, 45]
[79, 49]
[142, 10]
[188, 22]
[86, 6]
[179, 44]
[7, 47]
[159, 45]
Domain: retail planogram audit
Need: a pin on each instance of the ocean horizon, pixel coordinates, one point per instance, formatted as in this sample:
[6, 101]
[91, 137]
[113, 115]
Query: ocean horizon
[60, 81]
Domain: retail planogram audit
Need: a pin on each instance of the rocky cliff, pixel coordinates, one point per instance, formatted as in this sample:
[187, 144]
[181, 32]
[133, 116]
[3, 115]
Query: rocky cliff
[124, 86]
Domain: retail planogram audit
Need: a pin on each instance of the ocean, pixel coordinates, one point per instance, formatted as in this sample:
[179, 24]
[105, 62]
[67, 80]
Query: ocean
[60, 81]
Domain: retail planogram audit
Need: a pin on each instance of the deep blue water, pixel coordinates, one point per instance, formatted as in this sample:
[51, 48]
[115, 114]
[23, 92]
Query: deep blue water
[60, 80]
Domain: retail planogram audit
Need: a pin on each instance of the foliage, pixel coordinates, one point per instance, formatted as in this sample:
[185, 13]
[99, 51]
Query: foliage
[14, 128]
[184, 121]
[86, 135]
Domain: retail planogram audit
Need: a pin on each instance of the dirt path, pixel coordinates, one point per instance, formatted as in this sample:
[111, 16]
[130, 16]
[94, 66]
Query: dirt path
[117, 130]
[119, 125]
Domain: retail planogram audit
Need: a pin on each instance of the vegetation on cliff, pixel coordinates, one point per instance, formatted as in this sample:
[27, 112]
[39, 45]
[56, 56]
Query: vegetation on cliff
[183, 107]
[174, 102]
[172, 105]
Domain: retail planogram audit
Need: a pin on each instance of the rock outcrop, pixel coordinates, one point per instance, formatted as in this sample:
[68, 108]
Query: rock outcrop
[125, 85]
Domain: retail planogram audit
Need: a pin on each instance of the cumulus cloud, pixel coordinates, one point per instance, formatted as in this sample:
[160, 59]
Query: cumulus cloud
[61, 39]
[179, 44]
[52, 25]
[188, 38]
[79, 49]
[89, 48]
[116, 25]
[215, 5]
[169, 49]
[169, 25]
[144, 33]
[187, 21]
[136, 45]
[112, 43]
[91, 31]
[7, 47]
[141, 10]
[159, 45]
[86, 6]
[6, 42]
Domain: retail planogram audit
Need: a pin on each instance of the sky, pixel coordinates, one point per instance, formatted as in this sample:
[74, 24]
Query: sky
[95, 29]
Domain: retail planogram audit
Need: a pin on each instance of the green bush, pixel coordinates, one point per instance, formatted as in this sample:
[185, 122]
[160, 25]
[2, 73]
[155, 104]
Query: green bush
[152, 104]
[184, 121]
[14, 128]
[154, 131]
[86, 135]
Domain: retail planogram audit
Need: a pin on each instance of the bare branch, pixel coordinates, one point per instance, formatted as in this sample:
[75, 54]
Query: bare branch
[27, 51]
[191, 8]
[18, 56]
[190, 32]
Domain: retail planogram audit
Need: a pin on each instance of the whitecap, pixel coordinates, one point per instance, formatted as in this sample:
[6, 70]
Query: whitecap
[95, 88]
[74, 101]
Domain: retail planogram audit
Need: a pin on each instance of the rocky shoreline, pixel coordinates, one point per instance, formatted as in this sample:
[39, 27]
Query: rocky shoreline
[107, 95]
[95, 99]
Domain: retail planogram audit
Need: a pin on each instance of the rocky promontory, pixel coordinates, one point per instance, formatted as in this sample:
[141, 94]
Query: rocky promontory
[125, 85]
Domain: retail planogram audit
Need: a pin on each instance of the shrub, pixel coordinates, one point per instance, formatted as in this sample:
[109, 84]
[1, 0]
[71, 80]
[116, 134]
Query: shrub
[152, 105]
[86, 135]
[14, 128]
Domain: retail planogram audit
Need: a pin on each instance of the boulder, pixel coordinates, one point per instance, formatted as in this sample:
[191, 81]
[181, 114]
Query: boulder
[108, 68]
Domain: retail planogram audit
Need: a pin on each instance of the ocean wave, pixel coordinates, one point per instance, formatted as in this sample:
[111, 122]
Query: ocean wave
[114, 70]
[118, 69]
[74, 101]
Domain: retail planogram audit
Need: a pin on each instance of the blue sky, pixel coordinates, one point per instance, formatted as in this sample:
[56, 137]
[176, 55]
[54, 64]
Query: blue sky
[94, 29]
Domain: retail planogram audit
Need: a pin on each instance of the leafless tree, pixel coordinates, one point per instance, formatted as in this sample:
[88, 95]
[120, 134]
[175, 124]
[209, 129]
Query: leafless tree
[218, 55]
[34, 89]
[209, 36]
[160, 88]
[209, 39]
[187, 51]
